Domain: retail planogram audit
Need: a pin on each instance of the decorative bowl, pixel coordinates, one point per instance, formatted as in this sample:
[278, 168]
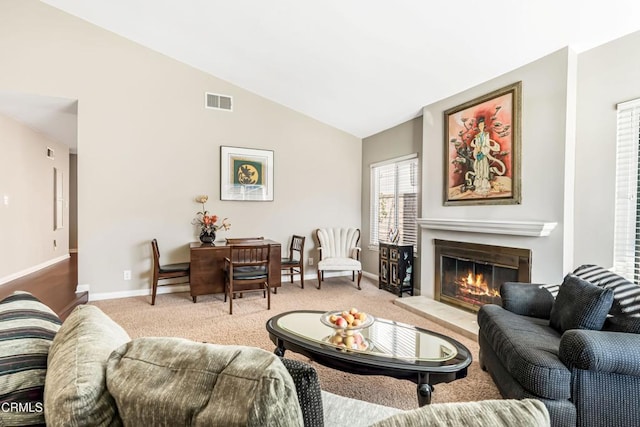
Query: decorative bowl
[348, 340]
[352, 320]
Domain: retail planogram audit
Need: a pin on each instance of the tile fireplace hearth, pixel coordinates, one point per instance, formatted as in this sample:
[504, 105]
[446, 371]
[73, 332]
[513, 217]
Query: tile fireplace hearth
[469, 275]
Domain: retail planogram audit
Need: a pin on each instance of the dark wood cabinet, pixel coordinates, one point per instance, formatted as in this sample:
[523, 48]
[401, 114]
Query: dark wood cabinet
[395, 272]
[207, 266]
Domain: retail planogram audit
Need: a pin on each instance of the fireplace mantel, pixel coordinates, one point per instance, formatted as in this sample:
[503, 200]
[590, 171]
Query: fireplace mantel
[513, 228]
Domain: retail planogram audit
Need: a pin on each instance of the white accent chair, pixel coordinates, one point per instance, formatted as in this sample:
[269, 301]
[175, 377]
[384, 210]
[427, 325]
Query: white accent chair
[338, 251]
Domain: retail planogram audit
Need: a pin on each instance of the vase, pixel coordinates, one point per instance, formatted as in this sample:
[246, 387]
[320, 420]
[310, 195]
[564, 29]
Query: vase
[208, 237]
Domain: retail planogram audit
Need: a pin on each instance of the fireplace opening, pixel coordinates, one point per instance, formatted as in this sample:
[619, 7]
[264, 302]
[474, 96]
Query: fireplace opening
[470, 275]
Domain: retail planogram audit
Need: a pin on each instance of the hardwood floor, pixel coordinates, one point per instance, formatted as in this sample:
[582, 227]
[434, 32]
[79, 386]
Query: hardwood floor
[55, 286]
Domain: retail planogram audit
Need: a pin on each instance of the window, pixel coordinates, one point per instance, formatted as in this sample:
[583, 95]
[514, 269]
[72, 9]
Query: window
[394, 200]
[626, 243]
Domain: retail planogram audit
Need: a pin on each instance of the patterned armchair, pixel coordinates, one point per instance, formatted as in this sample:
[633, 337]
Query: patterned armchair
[338, 251]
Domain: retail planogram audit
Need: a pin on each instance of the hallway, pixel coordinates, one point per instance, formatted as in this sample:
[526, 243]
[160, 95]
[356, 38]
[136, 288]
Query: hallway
[55, 286]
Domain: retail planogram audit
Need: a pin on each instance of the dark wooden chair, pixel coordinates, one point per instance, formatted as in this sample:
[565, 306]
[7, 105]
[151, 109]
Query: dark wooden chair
[247, 269]
[167, 271]
[294, 264]
[241, 240]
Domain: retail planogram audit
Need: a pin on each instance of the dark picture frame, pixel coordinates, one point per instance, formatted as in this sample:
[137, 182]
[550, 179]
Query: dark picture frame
[246, 174]
[482, 145]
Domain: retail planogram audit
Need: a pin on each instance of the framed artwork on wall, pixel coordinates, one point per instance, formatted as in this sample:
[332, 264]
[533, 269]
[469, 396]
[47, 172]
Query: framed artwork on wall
[482, 149]
[246, 174]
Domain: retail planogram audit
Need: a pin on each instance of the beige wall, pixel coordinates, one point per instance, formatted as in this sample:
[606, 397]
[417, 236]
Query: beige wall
[548, 87]
[607, 75]
[26, 199]
[397, 141]
[147, 147]
[73, 202]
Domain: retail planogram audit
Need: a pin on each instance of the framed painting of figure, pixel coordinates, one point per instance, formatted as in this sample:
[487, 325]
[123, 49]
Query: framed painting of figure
[246, 174]
[482, 149]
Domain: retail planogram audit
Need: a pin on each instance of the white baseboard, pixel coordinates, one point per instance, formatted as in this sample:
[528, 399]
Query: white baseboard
[168, 289]
[370, 275]
[164, 289]
[33, 269]
[82, 288]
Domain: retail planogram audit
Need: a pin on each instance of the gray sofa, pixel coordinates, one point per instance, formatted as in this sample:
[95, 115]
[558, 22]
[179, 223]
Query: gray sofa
[95, 375]
[583, 372]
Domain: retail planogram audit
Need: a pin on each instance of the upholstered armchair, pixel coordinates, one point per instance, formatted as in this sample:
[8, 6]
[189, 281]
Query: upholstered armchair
[338, 251]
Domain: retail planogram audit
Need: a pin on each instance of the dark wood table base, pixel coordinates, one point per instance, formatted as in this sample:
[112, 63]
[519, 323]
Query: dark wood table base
[425, 380]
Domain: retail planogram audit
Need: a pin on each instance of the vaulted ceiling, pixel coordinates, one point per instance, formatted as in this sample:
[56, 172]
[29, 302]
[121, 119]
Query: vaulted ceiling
[359, 65]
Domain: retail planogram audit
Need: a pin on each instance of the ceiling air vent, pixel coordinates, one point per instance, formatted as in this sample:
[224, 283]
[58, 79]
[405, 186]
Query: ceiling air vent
[218, 102]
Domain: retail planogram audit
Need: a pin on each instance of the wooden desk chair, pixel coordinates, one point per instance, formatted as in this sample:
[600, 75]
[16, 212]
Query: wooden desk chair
[167, 271]
[247, 269]
[294, 264]
[241, 240]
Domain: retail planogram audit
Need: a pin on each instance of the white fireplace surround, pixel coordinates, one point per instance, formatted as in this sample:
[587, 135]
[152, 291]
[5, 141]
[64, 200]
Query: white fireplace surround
[513, 228]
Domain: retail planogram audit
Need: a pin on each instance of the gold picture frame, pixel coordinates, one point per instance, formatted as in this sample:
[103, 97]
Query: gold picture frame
[482, 149]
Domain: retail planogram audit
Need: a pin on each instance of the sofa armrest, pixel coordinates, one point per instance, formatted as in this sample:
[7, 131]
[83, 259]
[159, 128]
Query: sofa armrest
[601, 351]
[526, 299]
[356, 253]
[505, 412]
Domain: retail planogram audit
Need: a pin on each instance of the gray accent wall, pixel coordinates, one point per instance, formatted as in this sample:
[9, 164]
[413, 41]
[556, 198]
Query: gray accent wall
[397, 141]
[607, 75]
[548, 122]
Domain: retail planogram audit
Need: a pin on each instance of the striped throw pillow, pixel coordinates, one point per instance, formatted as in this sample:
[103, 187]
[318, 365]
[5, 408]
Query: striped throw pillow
[553, 289]
[626, 294]
[27, 328]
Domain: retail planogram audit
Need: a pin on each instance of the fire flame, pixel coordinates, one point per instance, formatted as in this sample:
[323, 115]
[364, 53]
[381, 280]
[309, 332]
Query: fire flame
[476, 286]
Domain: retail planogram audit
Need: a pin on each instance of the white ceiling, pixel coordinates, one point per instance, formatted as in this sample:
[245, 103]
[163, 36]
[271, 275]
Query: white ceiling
[56, 118]
[359, 65]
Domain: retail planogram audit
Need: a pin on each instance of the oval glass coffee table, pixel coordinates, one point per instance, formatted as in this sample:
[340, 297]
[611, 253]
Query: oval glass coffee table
[390, 348]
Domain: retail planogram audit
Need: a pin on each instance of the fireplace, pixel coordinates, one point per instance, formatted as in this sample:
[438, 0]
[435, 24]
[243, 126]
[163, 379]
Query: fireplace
[469, 275]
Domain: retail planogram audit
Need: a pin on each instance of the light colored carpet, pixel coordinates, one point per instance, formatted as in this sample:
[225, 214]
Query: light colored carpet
[208, 320]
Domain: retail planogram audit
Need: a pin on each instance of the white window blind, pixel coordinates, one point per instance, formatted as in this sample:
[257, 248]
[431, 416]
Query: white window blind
[394, 200]
[626, 243]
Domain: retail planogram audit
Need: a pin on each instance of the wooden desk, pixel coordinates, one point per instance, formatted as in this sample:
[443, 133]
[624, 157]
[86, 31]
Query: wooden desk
[207, 266]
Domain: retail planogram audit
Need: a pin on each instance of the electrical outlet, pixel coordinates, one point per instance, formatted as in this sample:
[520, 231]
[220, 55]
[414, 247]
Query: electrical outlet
[310, 261]
[127, 275]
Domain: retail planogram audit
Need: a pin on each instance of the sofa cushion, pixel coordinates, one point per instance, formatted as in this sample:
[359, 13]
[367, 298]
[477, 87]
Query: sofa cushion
[308, 390]
[174, 382]
[339, 264]
[528, 350]
[580, 305]
[27, 328]
[345, 411]
[526, 299]
[495, 413]
[626, 294]
[76, 390]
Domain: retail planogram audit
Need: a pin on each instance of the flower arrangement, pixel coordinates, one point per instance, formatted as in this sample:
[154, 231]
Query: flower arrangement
[208, 223]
